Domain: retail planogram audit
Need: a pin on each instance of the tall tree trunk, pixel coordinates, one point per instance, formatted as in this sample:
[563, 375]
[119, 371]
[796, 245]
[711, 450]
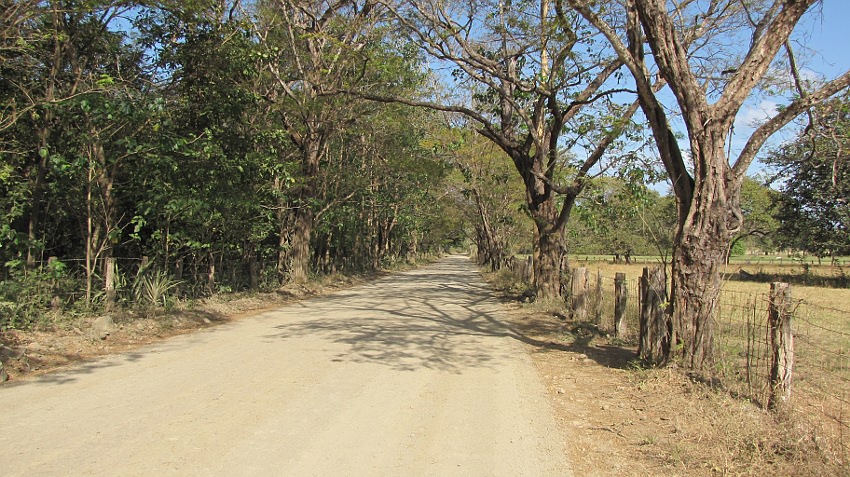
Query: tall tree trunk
[42, 154]
[489, 249]
[299, 252]
[100, 225]
[549, 250]
[283, 220]
[253, 267]
[105, 182]
[696, 283]
[705, 237]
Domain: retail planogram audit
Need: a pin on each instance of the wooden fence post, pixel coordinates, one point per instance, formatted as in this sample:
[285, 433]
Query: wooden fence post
[178, 275]
[643, 320]
[597, 299]
[578, 295]
[781, 344]
[211, 275]
[109, 282]
[254, 271]
[653, 341]
[621, 298]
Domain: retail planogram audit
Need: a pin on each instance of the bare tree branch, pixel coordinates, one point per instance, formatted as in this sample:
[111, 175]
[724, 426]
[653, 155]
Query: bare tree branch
[784, 117]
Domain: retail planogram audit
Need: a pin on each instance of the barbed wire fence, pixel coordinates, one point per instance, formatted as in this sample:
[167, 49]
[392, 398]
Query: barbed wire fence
[75, 285]
[818, 383]
[783, 354]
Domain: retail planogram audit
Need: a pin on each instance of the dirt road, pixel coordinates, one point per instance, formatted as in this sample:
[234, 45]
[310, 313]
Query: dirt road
[414, 375]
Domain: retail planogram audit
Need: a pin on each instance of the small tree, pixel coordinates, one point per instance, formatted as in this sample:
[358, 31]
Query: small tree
[757, 208]
[490, 197]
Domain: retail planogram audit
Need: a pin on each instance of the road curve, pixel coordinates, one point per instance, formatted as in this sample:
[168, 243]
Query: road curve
[413, 375]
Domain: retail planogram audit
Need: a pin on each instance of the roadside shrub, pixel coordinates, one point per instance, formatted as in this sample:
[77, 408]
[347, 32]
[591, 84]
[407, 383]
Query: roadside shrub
[27, 296]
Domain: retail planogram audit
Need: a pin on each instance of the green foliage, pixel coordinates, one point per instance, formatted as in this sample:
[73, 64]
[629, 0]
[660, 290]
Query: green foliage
[621, 217]
[738, 248]
[170, 136]
[154, 288]
[814, 176]
[760, 225]
[27, 295]
[492, 202]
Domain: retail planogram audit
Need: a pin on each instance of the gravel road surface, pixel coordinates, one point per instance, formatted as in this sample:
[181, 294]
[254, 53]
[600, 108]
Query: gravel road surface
[412, 375]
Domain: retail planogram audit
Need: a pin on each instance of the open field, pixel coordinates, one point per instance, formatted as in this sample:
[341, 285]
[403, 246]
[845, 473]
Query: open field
[749, 259]
[820, 401]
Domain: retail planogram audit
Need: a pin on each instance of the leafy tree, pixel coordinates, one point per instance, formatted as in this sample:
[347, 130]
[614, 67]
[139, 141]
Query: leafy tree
[381, 196]
[60, 52]
[533, 77]
[489, 197]
[814, 175]
[622, 219]
[216, 183]
[760, 225]
[709, 94]
[311, 51]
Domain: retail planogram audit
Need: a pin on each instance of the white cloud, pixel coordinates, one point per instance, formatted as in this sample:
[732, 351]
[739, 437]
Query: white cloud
[752, 116]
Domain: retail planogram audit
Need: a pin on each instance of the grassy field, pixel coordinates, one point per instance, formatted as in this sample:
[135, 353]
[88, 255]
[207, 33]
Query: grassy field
[773, 259]
[820, 402]
[809, 280]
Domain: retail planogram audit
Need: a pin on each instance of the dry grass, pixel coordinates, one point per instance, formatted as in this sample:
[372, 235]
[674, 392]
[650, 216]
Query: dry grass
[720, 427]
[713, 433]
[817, 419]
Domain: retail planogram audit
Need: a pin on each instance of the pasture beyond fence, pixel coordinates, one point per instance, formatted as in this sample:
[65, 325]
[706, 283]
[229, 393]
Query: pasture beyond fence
[777, 351]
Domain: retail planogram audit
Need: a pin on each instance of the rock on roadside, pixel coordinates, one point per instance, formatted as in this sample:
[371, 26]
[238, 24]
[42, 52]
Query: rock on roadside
[102, 327]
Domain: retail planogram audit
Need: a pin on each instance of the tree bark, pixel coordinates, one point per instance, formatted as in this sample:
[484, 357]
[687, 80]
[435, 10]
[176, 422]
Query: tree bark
[37, 192]
[547, 266]
[621, 299]
[488, 242]
[284, 233]
[299, 252]
[712, 220]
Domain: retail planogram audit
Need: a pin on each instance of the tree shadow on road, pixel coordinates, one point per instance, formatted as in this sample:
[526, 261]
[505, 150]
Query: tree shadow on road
[442, 318]
[557, 333]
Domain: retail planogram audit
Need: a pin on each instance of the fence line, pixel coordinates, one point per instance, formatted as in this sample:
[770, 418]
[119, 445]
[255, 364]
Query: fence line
[751, 355]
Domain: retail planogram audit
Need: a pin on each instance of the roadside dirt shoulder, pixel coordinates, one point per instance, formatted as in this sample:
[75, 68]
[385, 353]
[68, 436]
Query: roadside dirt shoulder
[69, 341]
[619, 419]
[593, 397]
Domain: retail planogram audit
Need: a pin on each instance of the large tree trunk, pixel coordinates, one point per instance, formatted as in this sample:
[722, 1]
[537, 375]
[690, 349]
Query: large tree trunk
[489, 248]
[547, 267]
[701, 249]
[42, 154]
[696, 283]
[299, 252]
[283, 217]
[550, 250]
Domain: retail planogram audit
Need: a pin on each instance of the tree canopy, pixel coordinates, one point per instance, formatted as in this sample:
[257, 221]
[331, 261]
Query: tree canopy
[241, 145]
[813, 172]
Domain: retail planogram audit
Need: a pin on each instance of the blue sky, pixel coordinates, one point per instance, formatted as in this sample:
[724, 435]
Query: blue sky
[830, 36]
[826, 54]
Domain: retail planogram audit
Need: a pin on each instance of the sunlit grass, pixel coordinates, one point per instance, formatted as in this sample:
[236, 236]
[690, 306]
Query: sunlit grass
[821, 327]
